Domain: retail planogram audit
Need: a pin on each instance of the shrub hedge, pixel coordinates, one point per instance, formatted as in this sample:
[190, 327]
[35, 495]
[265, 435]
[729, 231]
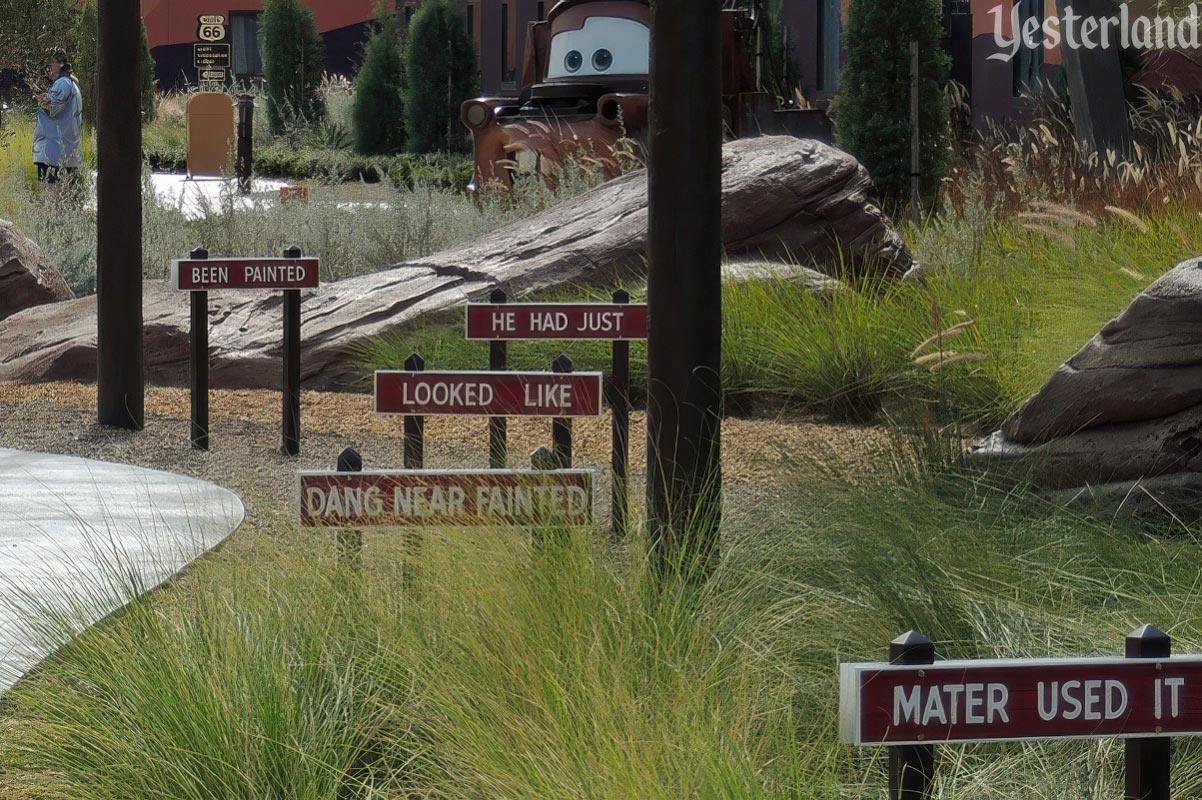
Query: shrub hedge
[280, 160]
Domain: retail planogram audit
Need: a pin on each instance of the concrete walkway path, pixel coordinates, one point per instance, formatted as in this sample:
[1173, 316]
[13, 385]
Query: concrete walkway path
[80, 538]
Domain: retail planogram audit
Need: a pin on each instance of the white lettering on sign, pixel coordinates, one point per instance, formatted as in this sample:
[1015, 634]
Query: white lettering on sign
[429, 501]
[983, 703]
[207, 275]
[601, 322]
[1173, 685]
[344, 501]
[447, 394]
[503, 322]
[549, 322]
[549, 396]
[1090, 700]
[528, 500]
[274, 273]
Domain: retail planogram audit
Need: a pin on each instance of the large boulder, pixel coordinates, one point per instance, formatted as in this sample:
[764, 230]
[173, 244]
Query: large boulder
[782, 198]
[27, 278]
[1127, 407]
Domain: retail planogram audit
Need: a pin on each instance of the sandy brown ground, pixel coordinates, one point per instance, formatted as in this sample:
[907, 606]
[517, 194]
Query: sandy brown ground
[768, 458]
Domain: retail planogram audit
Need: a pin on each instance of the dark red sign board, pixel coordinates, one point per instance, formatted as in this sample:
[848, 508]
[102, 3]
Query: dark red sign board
[1012, 700]
[563, 321]
[191, 275]
[489, 394]
[445, 499]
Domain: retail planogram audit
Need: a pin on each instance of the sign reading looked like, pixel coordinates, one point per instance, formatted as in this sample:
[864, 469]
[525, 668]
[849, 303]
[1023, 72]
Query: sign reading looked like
[211, 56]
[1019, 699]
[489, 394]
[446, 499]
[565, 321]
[200, 275]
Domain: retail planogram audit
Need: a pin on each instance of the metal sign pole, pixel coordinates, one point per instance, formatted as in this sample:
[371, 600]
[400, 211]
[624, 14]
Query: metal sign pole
[685, 286]
[120, 384]
[292, 348]
[199, 361]
[498, 428]
[1148, 759]
[911, 767]
[619, 403]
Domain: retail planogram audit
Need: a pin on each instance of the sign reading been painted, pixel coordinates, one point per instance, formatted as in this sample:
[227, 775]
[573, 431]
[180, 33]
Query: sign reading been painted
[445, 499]
[566, 321]
[489, 394]
[192, 275]
[1020, 699]
[210, 27]
[211, 56]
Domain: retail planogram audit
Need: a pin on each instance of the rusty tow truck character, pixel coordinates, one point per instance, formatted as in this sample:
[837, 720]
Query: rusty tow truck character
[585, 90]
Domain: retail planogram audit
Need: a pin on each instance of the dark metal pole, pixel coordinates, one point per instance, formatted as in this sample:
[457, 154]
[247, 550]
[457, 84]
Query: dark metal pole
[1148, 759]
[561, 427]
[120, 387]
[619, 405]
[350, 542]
[415, 427]
[498, 433]
[292, 348]
[684, 287]
[244, 165]
[911, 767]
[415, 458]
[199, 362]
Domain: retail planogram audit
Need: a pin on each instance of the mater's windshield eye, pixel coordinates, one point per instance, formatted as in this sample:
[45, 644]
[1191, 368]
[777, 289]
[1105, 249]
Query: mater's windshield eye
[573, 61]
[603, 60]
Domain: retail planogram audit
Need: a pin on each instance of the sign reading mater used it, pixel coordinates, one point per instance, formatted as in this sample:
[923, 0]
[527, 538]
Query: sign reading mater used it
[489, 394]
[446, 499]
[201, 275]
[1010, 700]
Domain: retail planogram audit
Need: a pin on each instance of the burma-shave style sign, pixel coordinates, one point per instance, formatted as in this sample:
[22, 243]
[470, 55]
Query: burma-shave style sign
[202, 275]
[489, 394]
[1020, 699]
[564, 321]
[453, 499]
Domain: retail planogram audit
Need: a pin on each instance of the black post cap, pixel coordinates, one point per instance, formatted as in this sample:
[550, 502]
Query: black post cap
[199, 254]
[292, 252]
[349, 460]
[415, 363]
[1148, 641]
[562, 364]
[542, 458]
[498, 295]
[621, 296]
[911, 648]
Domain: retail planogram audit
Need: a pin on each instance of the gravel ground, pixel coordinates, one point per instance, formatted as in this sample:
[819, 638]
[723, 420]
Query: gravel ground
[764, 460]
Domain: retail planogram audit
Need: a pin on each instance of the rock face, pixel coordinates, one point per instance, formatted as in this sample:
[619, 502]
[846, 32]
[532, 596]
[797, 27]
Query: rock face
[1127, 407]
[782, 197]
[27, 278]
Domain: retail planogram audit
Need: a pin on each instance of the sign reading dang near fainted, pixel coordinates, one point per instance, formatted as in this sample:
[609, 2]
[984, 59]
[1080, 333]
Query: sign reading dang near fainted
[446, 499]
[1020, 699]
[201, 275]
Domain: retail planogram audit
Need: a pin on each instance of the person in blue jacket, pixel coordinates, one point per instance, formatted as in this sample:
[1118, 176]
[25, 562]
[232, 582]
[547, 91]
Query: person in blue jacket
[56, 137]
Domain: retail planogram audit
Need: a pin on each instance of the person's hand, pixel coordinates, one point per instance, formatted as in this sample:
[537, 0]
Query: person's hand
[44, 100]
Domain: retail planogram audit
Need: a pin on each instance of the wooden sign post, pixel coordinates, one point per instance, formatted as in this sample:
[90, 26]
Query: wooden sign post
[910, 706]
[290, 274]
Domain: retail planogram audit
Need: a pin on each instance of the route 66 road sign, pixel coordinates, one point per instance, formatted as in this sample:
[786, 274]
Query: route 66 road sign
[210, 27]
